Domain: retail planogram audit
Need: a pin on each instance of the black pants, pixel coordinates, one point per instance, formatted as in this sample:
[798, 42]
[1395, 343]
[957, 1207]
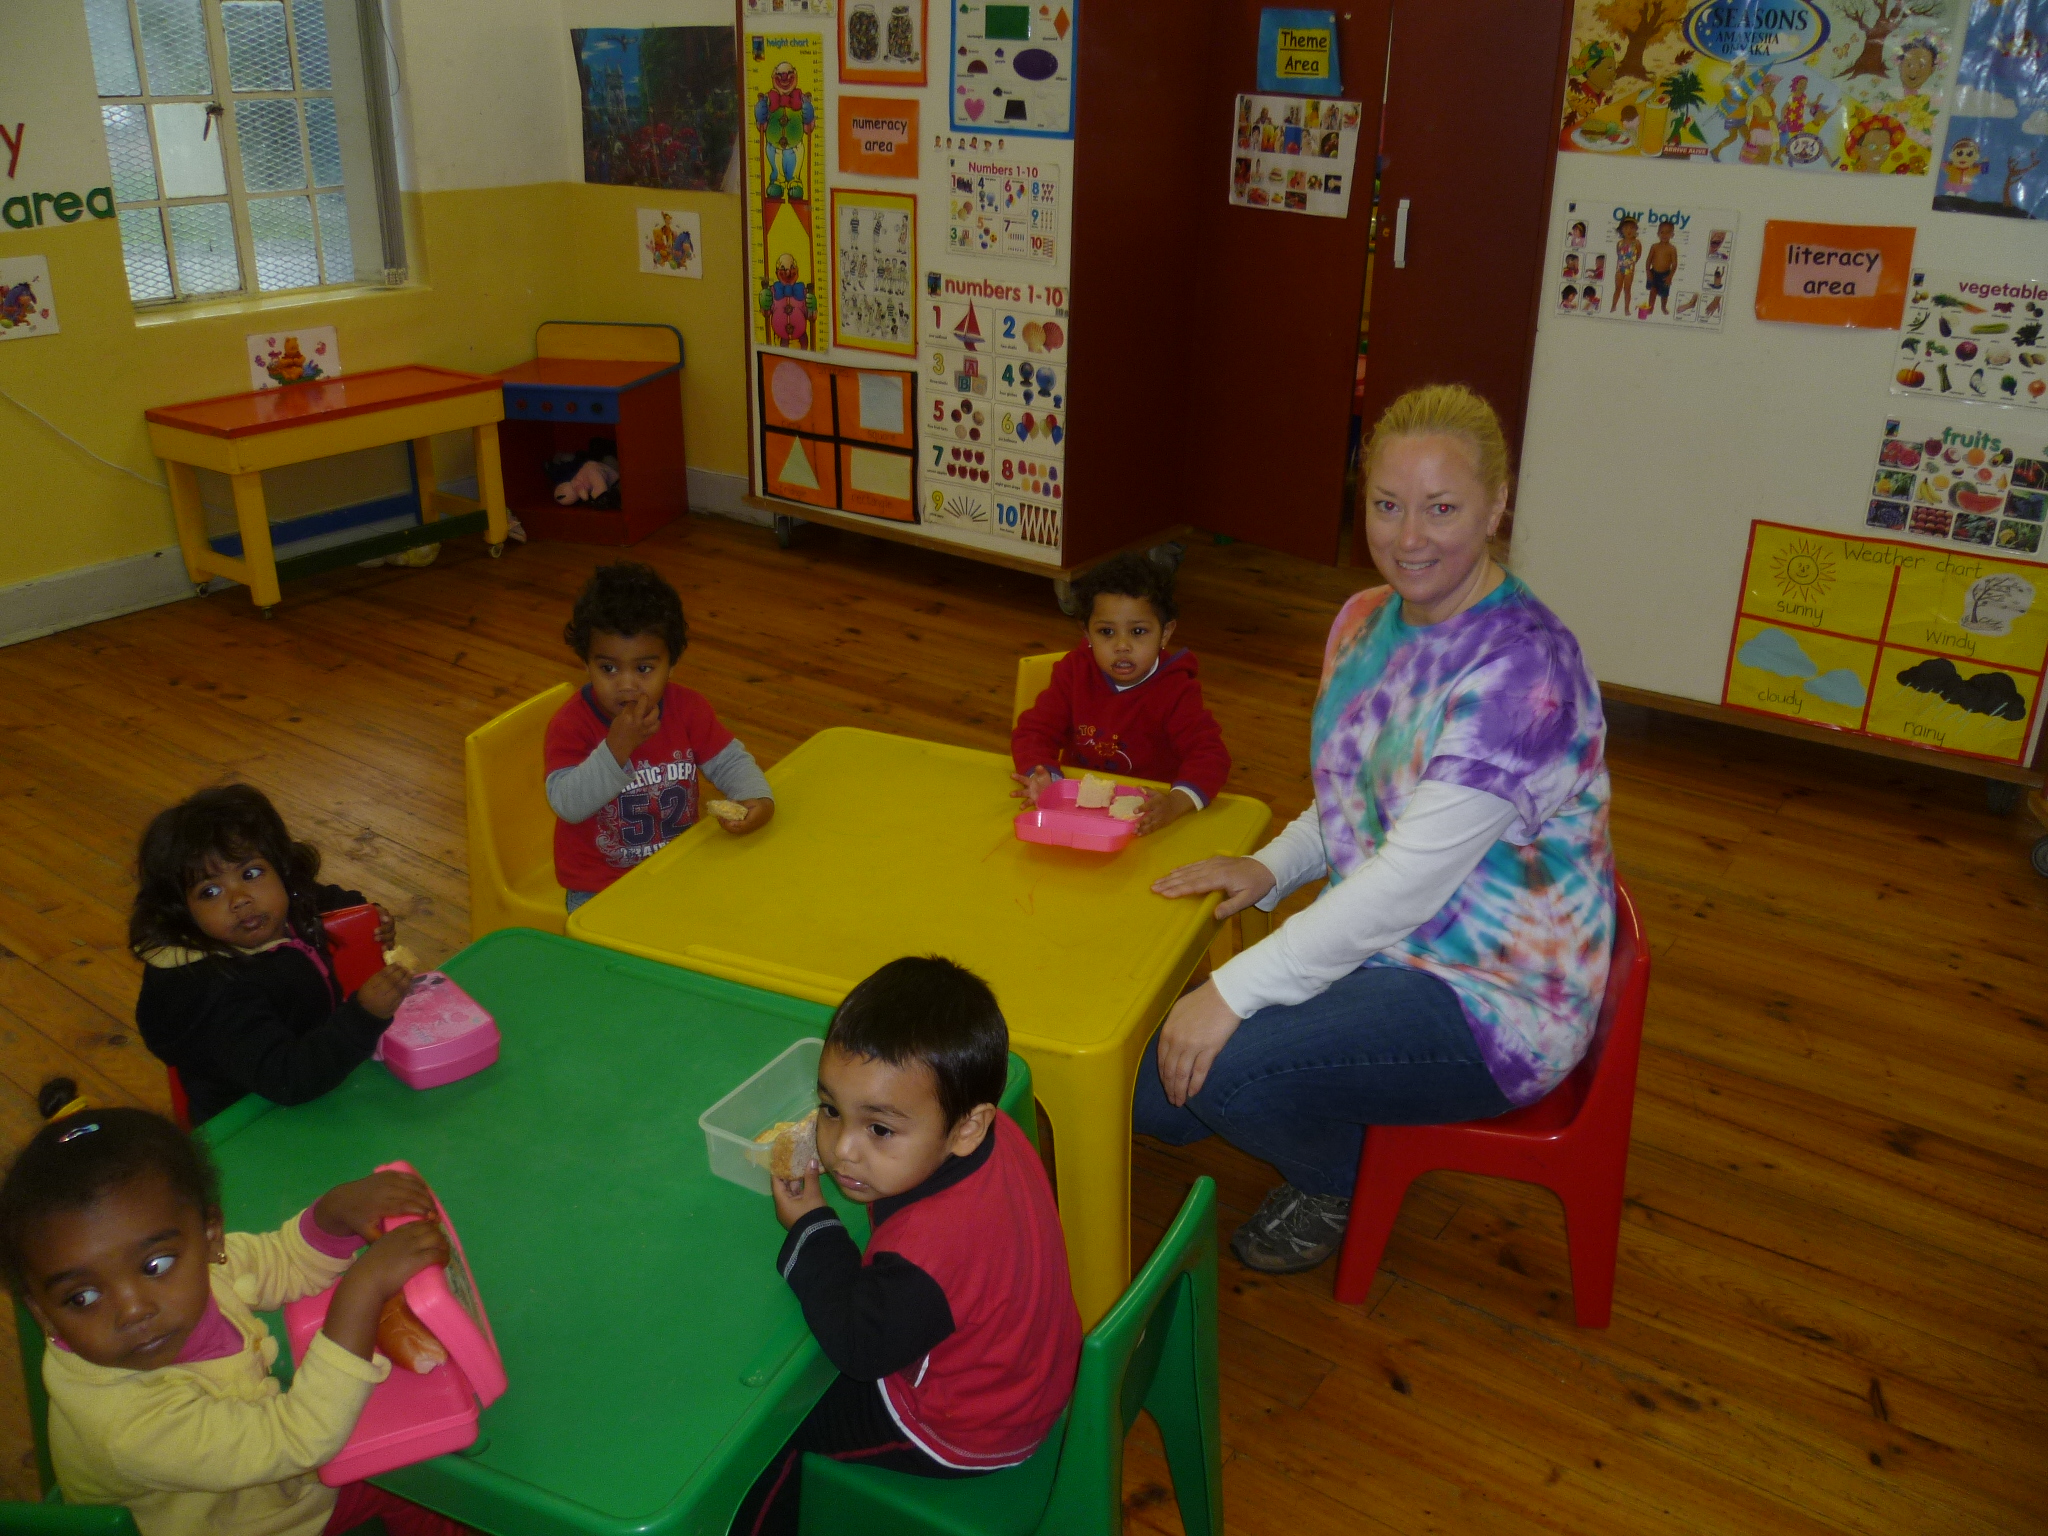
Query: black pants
[850, 1423]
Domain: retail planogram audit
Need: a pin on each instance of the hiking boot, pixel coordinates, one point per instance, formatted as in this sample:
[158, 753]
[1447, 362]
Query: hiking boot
[1291, 1232]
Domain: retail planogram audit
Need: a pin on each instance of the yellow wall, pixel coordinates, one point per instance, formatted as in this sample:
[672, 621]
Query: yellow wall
[488, 266]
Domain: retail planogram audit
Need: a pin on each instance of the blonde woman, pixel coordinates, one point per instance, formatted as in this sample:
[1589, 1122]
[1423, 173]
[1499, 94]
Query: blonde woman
[1453, 967]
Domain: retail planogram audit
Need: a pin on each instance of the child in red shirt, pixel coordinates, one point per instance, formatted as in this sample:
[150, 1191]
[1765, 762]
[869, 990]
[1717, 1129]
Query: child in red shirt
[625, 757]
[1120, 703]
[955, 1333]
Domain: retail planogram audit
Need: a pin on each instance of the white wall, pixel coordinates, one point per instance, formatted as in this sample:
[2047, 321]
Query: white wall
[1650, 448]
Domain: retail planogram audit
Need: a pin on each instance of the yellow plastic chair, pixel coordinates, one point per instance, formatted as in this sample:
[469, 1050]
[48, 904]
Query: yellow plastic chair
[511, 830]
[1033, 674]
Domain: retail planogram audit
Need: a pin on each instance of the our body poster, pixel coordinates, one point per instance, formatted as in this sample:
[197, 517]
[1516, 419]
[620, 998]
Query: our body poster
[1970, 479]
[671, 242]
[1815, 85]
[1650, 264]
[1974, 338]
[658, 106]
[786, 224]
[1939, 649]
[1295, 154]
[874, 267]
[27, 307]
[1992, 161]
[1002, 206]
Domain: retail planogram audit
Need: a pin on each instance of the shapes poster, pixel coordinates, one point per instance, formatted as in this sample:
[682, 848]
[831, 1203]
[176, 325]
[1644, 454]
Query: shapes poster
[27, 307]
[1013, 66]
[1816, 85]
[785, 176]
[874, 262]
[1939, 649]
[1974, 338]
[882, 42]
[1002, 206]
[1973, 480]
[658, 106]
[297, 356]
[1294, 154]
[838, 437]
[1657, 265]
[1992, 162]
[671, 242]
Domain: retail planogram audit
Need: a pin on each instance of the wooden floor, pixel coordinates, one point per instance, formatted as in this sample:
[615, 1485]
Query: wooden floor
[1829, 1314]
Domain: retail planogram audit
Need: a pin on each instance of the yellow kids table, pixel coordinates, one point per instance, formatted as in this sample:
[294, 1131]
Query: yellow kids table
[884, 846]
[242, 435]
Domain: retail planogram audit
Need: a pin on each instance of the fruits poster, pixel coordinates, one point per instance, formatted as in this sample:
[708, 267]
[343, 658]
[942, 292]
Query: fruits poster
[1648, 263]
[1814, 85]
[1294, 154]
[1992, 161]
[787, 230]
[1974, 338]
[1943, 649]
[1969, 479]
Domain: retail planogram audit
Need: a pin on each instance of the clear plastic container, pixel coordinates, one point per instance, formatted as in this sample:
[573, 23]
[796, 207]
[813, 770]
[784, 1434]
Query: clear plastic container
[785, 1089]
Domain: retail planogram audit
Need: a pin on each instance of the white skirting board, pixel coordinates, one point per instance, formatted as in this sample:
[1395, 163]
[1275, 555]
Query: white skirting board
[89, 593]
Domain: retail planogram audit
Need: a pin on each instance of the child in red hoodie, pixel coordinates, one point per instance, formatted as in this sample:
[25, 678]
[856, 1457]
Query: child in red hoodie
[1122, 704]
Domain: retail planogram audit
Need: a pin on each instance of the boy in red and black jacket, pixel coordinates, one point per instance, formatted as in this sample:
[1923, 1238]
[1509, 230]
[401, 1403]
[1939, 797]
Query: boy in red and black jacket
[1122, 703]
[955, 1334]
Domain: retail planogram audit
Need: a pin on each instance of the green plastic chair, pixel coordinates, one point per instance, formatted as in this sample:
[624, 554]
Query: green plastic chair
[1155, 1350]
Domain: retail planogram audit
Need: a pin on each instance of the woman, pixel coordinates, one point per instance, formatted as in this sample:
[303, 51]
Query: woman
[1453, 968]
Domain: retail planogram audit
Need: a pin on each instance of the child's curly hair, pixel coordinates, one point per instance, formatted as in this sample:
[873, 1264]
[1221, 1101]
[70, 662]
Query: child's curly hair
[227, 822]
[1129, 575]
[627, 599]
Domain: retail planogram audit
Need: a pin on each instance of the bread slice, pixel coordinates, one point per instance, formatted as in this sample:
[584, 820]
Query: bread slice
[791, 1145]
[1127, 807]
[398, 954]
[727, 811]
[1096, 792]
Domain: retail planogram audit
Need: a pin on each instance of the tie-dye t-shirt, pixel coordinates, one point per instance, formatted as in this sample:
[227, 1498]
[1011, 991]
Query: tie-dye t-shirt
[1497, 699]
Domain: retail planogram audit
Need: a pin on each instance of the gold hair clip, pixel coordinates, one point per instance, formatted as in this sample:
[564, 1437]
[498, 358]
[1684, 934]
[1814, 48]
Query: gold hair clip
[72, 1108]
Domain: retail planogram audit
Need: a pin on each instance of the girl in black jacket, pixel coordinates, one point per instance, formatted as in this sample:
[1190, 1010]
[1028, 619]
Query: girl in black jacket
[237, 990]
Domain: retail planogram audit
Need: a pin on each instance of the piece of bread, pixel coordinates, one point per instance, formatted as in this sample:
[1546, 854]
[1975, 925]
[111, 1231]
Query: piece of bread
[398, 954]
[406, 1341]
[728, 811]
[1127, 807]
[791, 1145]
[1096, 792]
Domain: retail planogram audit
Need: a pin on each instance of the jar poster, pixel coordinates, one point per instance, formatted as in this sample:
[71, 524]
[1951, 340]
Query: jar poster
[882, 42]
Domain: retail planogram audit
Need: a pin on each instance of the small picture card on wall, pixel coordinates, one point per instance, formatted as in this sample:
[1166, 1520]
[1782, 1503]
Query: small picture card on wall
[874, 254]
[877, 136]
[1294, 155]
[671, 242]
[26, 307]
[789, 7]
[301, 355]
[1835, 274]
[882, 42]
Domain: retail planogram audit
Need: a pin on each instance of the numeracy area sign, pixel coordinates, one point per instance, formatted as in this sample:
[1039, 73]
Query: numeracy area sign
[1834, 274]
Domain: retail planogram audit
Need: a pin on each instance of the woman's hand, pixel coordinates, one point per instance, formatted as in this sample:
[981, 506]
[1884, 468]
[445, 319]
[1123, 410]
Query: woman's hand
[359, 1208]
[1199, 1026]
[796, 1197]
[1030, 785]
[383, 992]
[1242, 881]
[759, 814]
[378, 1273]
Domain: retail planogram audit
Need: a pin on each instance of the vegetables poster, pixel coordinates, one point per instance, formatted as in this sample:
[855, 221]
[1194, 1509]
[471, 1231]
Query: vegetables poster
[1974, 338]
[1939, 649]
[1815, 85]
[1998, 126]
[1655, 264]
[786, 225]
[1972, 479]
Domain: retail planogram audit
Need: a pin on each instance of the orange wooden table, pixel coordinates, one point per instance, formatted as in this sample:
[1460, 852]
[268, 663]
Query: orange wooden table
[242, 435]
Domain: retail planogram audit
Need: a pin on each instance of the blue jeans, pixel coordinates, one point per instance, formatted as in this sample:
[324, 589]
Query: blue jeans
[574, 899]
[1297, 1086]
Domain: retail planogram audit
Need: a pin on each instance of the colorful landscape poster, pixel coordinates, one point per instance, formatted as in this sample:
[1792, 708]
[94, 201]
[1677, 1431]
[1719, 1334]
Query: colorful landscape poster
[1992, 162]
[659, 109]
[1817, 85]
[786, 226]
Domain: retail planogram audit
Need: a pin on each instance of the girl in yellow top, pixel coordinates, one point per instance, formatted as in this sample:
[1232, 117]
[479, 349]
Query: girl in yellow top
[158, 1370]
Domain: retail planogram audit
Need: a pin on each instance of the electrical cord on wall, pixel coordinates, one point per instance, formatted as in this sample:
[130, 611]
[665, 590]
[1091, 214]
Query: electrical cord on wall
[74, 442]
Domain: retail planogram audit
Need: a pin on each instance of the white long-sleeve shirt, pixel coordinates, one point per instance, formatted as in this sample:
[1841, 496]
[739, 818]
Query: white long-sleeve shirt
[1443, 833]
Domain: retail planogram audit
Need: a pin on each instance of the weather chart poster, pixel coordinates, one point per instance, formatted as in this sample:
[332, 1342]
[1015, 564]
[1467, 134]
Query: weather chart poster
[1938, 648]
[1657, 265]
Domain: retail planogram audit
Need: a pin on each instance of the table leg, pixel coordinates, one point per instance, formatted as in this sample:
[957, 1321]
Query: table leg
[253, 518]
[189, 513]
[1088, 1101]
[490, 484]
[424, 476]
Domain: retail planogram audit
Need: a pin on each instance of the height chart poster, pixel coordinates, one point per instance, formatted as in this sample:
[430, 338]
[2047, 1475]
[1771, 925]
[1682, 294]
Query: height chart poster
[786, 225]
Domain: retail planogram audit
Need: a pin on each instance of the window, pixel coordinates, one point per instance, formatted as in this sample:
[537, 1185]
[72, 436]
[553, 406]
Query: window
[250, 142]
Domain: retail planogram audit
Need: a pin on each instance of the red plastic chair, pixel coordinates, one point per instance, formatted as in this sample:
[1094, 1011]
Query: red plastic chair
[353, 951]
[1574, 1142]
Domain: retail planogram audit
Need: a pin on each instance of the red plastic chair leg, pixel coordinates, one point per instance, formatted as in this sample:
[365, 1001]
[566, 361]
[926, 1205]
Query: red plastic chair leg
[1592, 1226]
[1383, 1181]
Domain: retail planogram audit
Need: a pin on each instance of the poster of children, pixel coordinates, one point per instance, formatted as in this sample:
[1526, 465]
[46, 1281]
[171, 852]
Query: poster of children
[670, 240]
[26, 308]
[1816, 85]
[1973, 338]
[1294, 154]
[659, 108]
[1998, 127]
[1971, 479]
[298, 356]
[874, 254]
[1660, 265]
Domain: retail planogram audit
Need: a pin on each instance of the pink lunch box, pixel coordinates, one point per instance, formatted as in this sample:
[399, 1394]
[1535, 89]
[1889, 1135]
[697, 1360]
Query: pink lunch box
[438, 1035]
[411, 1417]
[1057, 819]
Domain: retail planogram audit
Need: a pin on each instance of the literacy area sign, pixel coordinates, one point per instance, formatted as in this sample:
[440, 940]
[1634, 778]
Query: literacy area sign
[1298, 53]
[1834, 274]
